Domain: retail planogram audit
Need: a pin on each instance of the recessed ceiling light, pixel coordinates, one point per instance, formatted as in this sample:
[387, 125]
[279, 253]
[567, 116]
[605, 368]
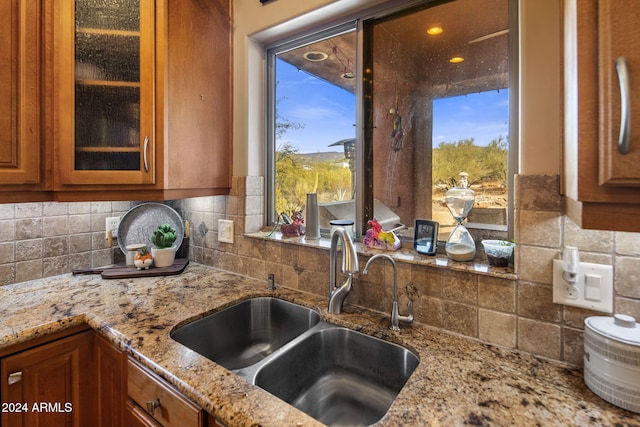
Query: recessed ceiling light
[348, 76]
[434, 31]
[456, 59]
[315, 56]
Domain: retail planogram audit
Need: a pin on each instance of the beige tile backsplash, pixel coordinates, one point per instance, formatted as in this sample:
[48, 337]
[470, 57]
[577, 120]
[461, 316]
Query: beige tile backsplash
[44, 239]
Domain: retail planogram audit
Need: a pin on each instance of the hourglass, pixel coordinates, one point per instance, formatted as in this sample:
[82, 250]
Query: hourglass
[460, 245]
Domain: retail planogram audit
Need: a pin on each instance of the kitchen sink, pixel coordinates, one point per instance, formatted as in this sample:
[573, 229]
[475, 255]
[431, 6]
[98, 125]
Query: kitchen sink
[338, 376]
[334, 374]
[245, 333]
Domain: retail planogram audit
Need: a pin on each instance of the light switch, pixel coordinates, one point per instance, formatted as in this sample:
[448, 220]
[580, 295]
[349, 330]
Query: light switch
[592, 287]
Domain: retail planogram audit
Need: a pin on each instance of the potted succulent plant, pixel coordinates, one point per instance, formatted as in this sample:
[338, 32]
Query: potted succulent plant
[164, 251]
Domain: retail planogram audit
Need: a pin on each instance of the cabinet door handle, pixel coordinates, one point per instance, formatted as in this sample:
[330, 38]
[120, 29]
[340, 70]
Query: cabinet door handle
[144, 153]
[152, 405]
[625, 105]
[15, 377]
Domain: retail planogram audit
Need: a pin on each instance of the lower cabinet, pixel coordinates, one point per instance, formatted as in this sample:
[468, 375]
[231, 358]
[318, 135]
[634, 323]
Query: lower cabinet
[78, 378]
[153, 402]
[50, 384]
[110, 390]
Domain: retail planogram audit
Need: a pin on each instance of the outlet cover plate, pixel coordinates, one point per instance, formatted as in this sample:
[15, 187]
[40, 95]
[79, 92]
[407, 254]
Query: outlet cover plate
[111, 225]
[225, 230]
[593, 288]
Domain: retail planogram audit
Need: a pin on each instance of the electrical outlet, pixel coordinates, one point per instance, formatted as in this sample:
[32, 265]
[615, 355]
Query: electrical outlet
[225, 230]
[111, 226]
[593, 288]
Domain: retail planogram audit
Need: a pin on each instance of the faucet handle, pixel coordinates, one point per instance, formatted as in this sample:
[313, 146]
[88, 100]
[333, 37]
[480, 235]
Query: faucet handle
[409, 317]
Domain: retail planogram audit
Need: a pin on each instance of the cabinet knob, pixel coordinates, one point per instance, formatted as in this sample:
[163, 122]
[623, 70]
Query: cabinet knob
[625, 105]
[15, 377]
[152, 405]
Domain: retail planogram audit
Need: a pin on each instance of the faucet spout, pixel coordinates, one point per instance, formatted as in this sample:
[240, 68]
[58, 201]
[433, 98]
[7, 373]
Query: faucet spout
[349, 265]
[396, 318]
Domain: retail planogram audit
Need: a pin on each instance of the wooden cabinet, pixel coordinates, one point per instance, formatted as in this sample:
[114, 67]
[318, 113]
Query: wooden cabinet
[602, 181]
[619, 67]
[22, 54]
[110, 394]
[115, 100]
[72, 378]
[78, 378]
[143, 99]
[153, 402]
[50, 384]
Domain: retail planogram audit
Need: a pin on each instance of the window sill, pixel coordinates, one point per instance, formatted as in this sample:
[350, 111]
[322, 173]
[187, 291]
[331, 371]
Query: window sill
[404, 254]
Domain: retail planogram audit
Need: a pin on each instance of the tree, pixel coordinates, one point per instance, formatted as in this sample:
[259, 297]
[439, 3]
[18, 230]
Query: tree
[288, 172]
[287, 165]
[282, 123]
[481, 163]
[296, 175]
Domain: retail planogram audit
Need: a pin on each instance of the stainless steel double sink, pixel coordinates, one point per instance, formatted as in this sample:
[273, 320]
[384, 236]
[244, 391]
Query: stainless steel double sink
[334, 374]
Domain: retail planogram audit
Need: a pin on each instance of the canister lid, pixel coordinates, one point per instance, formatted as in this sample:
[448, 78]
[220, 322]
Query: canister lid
[620, 327]
[135, 246]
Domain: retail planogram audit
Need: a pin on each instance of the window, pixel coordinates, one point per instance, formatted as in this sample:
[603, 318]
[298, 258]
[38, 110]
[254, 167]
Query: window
[429, 106]
[314, 125]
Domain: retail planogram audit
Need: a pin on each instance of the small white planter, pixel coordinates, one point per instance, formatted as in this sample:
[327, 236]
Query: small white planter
[164, 257]
[498, 252]
[143, 264]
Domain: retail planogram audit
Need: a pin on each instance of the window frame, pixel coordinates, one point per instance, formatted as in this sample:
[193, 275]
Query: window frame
[364, 183]
[270, 131]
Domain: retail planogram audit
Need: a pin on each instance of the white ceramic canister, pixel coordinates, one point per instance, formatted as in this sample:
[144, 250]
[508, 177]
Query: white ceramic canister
[612, 359]
[132, 250]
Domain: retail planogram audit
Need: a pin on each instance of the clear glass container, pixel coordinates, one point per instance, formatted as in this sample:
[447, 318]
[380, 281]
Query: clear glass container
[460, 245]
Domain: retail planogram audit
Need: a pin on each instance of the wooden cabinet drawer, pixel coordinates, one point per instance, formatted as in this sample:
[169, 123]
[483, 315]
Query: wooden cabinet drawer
[171, 408]
[137, 417]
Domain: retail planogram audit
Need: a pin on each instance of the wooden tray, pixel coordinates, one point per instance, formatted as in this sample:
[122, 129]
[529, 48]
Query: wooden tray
[121, 271]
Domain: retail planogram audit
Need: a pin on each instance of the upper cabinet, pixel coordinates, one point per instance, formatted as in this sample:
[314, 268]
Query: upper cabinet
[106, 92]
[619, 67]
[602, 113]
[144, 99]
[21, 85]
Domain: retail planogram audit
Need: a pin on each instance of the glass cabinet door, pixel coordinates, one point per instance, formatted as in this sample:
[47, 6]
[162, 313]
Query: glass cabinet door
[112, 86]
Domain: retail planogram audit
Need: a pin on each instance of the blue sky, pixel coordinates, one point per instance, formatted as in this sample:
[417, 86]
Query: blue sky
[482, 116]
[328, 113]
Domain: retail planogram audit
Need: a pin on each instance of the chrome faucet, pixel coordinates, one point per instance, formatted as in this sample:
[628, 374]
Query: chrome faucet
[395, 315]
[349, 265]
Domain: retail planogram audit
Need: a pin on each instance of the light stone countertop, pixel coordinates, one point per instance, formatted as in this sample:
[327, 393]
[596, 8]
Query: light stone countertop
[458, 381]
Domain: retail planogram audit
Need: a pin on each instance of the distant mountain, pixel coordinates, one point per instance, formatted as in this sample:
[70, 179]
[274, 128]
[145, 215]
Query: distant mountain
[328, 156]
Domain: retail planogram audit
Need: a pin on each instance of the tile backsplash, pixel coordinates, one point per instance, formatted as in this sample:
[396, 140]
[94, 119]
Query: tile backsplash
[45, 239]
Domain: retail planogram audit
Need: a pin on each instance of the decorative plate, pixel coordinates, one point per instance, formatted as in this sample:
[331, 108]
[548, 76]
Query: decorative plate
[139, 223]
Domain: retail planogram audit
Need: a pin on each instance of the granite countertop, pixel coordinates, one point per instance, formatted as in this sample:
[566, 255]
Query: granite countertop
[458, 381]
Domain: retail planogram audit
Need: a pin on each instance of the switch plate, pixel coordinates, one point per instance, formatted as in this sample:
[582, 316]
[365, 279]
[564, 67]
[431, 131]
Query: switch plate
[225, 231]
[111, 226]
[593, 288]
